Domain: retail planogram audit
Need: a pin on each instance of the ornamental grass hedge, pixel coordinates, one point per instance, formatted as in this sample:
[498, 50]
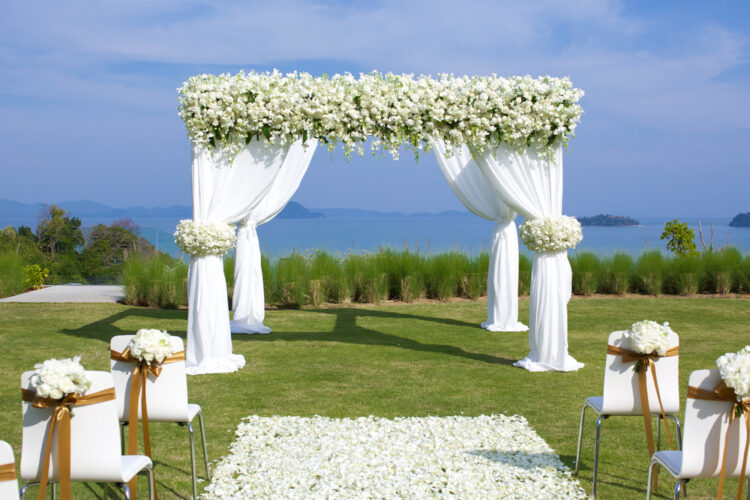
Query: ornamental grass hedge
[321, 277]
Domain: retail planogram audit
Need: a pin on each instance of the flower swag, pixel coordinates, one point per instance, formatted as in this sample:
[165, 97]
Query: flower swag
[734, 369]
[551, 234]
[56, 378]
[199, 238]
[227, 111]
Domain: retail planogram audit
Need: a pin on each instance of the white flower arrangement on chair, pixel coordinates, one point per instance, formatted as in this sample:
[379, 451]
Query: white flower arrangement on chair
[648, 337]
[734, 368]
[151, 345]
[551, 234]
[200, 238]
[56, 378]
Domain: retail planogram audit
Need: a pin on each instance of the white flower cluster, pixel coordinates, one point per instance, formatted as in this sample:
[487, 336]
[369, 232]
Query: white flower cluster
[648, 337]
[551, 234]
[56, 378]
[204, 238]
[415, 457]
[734, 368]
[151, 345]
[227, 111]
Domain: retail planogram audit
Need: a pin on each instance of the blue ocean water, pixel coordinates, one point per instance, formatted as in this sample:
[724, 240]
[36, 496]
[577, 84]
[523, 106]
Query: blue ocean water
[432, 234]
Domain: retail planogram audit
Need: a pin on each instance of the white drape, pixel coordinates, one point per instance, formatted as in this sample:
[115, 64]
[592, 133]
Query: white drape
[470, 186]
[222, 192]
[532, 186]
[248, 301]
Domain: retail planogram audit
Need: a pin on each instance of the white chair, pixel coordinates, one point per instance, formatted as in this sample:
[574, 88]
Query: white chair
[9, 486]
[94, 442]
[621, 395]
[166, 397]
[706, 424]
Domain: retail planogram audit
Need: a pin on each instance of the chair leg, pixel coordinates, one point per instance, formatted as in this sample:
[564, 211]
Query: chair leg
[658, 432]
[203, 441]
[151, 485]
[596, 451]
[192, 459]
[126, 490]
[679, 429]
[122, 437]
[650, 473]
[580, 436]
[24, 487]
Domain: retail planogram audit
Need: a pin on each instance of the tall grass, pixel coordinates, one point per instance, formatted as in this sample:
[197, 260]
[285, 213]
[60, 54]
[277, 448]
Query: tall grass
[11, 274]
[587, 273]
[159, 281]
[321, 277]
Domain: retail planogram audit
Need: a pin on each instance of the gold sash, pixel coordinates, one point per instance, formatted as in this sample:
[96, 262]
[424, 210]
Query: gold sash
[8, 472]
[138, 386]
[61, 419]
[739, 408]
[644, 362]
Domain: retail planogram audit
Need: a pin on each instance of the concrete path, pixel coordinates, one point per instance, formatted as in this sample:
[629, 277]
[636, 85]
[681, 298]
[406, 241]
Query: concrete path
[71, 293]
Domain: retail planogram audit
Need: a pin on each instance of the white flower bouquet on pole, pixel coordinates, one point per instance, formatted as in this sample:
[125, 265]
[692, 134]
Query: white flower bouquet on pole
[551, 234]
[199, 238]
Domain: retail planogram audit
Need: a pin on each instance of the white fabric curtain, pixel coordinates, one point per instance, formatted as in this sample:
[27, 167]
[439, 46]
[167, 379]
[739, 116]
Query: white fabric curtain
[470, 186]
[532, 186]
[248, 301]
[222, 192]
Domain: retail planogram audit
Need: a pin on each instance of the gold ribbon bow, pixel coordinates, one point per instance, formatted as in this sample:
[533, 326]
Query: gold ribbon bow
[61, 419]
[141, 370]
[721, 392]
[7, 472]
[644, 362]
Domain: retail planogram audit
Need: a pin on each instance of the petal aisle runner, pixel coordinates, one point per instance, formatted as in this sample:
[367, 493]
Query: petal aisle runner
[413, 457]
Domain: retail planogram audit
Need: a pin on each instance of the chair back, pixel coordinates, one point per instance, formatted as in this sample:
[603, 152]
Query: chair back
[705, 427]
[94, 437]
[621, 394]
[166, 395]
[9, 487]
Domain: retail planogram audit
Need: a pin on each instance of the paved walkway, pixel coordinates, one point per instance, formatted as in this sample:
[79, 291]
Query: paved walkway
[71, 293]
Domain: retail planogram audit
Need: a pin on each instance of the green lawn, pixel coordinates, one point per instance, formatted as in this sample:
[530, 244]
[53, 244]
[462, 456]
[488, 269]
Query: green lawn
[386, 360]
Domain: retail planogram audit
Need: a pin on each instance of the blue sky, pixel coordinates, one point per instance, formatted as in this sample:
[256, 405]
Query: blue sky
[88, 93]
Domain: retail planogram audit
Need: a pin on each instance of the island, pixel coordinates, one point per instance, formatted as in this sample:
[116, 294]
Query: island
[741, 220]
[294, 210]
[608, 220]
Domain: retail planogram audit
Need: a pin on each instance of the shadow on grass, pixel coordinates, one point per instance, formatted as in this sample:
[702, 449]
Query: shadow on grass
[346, 330]
[106, 328]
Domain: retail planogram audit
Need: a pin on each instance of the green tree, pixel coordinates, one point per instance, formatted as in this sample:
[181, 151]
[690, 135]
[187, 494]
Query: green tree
[680, 238]
[58, 233]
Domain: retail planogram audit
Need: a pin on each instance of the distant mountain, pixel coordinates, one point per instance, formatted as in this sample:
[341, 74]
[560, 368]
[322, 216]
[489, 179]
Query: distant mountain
[294, 210]
[608, 220]
[741, 220]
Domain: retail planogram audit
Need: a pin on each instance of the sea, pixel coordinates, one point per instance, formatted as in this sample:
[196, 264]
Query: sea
[430, 234]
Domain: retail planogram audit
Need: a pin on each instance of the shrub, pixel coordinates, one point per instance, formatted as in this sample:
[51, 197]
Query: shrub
[290, 281]
[524, 275]
[683, 275]
[720, 270]
[618, 272]
[11, 274]
[34, 276]
[157, 281]
[444, 275]
[586, 268]
[649, 273]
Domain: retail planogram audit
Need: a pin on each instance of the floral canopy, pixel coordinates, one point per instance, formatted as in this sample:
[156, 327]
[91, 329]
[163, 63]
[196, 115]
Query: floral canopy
[480, 112]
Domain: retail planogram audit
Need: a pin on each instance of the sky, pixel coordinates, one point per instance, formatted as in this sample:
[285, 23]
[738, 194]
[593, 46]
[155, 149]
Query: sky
[88, 94]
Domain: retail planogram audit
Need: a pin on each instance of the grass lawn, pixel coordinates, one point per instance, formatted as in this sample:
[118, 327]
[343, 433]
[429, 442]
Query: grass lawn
[387, 360]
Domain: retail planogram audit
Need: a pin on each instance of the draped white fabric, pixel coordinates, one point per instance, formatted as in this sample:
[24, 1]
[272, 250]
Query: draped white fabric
[470, 186]
[248, 301]
[222, 192]
[532, 186]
